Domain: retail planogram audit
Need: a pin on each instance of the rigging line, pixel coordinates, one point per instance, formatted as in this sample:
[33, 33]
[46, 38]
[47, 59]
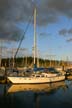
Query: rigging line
[23, 35]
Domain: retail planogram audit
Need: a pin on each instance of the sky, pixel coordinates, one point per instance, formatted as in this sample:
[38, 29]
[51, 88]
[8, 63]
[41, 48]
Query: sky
[53, 26]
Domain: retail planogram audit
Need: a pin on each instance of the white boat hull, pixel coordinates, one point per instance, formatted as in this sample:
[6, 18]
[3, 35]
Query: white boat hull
[34, 80]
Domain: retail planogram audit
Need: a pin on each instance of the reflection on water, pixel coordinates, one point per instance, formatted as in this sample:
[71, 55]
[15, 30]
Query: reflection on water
[36, 87]
[51, 95]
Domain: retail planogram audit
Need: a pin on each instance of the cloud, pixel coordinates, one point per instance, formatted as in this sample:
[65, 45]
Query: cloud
[14, 11]
[65, 32]
[69, 40]
[62, 6]
[49, 11]
[45, 34]
[11, 12]
[70, 31]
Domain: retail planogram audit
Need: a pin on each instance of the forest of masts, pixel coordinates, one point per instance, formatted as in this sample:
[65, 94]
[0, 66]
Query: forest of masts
[28, 62]
[7, 59]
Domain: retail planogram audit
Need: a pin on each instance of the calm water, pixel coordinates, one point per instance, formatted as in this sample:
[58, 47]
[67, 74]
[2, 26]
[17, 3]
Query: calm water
[54, 95]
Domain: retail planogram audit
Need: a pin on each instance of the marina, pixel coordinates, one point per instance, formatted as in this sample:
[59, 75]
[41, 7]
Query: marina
[35, 54]
[34, 76]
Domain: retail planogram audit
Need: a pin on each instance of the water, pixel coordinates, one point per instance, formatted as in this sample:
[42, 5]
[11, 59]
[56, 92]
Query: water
[54, 95]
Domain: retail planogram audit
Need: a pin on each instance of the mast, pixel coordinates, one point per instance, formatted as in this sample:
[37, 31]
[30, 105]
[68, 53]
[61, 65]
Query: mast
[13, 57]
[0, 52]
[35, 38]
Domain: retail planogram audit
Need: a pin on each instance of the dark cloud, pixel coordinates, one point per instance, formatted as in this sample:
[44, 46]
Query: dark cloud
[45, 34]
[14, 11]
[61, 6]
[12, 36]
[65, 32]
[69, 40]
[50, 10]
[70, 31]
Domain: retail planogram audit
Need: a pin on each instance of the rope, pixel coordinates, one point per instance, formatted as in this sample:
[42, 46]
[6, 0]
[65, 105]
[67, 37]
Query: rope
[23, 35]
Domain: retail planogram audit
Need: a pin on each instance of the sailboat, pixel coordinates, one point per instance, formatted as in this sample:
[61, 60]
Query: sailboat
[36, 78]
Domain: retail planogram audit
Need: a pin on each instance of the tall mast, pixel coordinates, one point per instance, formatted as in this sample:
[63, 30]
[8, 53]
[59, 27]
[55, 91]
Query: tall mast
[0, 52]
[13, 57]
[35, 42]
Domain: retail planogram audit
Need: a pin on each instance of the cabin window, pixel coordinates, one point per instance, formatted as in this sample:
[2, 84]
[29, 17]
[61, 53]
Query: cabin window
[37, 76]
[42, 75]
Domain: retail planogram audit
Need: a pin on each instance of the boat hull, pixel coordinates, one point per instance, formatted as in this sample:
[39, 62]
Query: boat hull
[34, 80]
